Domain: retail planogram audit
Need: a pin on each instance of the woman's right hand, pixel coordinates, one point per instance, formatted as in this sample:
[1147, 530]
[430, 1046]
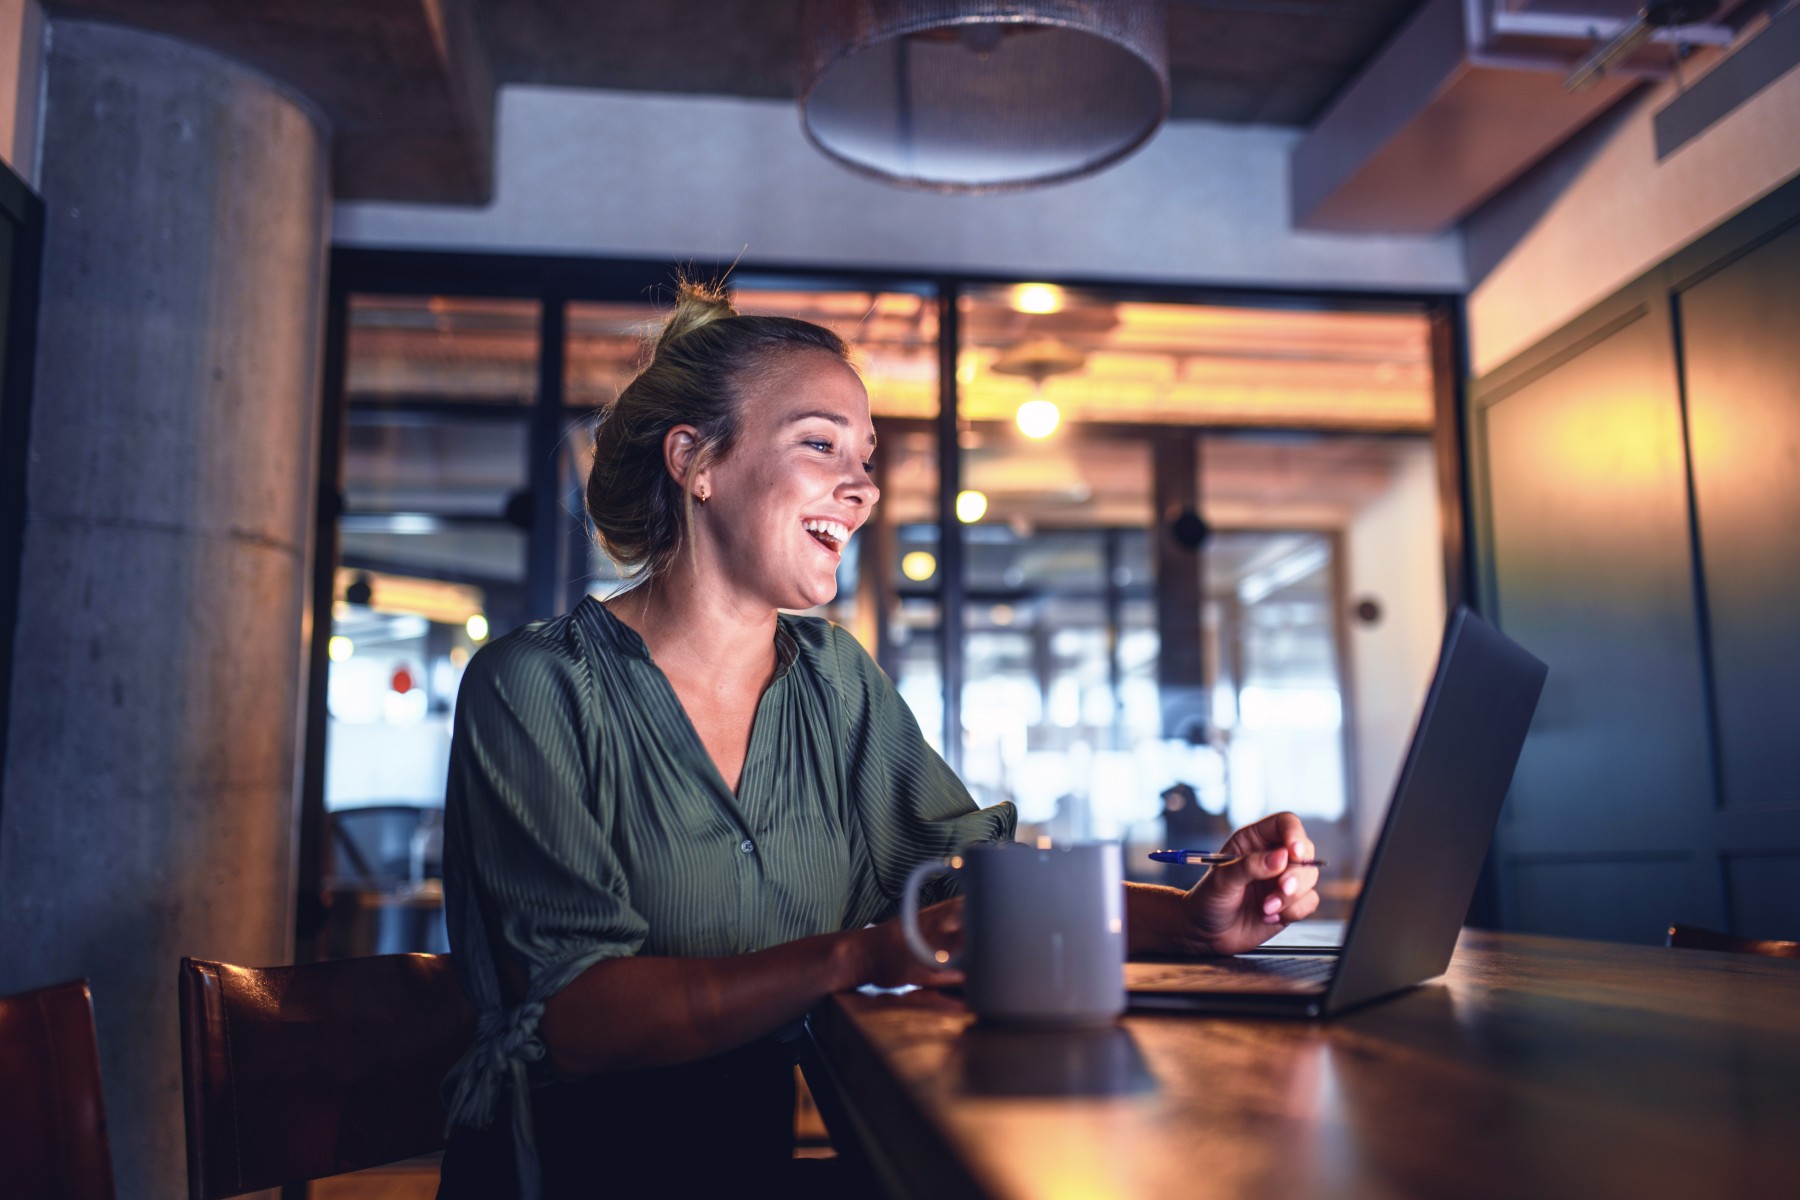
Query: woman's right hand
[885, 959]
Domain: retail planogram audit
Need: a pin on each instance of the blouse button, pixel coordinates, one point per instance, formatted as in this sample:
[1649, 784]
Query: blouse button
[746, 845]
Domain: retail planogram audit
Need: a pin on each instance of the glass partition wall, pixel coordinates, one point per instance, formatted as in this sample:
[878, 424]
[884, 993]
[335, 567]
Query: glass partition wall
[1130, 567]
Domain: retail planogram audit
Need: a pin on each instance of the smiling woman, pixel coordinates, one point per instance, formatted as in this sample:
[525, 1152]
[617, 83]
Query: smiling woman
[679, 819]
[640, 498]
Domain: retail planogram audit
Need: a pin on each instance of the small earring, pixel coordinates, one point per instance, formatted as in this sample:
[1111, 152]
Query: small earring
[702, 495]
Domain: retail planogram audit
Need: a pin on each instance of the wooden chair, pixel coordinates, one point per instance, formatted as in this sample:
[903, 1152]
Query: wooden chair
[1694, 937]
[53, 1135]
[300, 1072]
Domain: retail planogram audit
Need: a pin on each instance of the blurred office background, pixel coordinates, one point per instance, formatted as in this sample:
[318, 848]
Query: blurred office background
[308, 310]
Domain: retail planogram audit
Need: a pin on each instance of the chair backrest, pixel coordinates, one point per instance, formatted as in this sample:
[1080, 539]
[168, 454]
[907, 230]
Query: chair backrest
[1695, 937]
[53, 1133]
[300, 1072]
[384, 846]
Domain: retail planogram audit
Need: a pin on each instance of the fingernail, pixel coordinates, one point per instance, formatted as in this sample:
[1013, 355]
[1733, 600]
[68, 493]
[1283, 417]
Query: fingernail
[1272, 904]
[1272, 919]
[1276, 859]
[1290, 885]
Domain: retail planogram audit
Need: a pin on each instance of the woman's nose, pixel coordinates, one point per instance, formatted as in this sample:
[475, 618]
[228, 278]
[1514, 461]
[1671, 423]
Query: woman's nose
[859, 488]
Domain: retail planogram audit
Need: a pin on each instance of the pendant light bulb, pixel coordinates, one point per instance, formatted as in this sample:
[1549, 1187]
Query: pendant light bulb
[1038, 418]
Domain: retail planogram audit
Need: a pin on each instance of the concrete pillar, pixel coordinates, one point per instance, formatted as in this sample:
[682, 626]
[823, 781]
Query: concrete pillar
[150, 788]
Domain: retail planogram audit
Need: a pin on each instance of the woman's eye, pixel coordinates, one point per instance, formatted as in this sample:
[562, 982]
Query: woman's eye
[821, 445]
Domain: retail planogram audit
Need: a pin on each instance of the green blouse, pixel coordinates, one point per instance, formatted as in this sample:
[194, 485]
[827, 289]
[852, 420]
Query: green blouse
[584, 820]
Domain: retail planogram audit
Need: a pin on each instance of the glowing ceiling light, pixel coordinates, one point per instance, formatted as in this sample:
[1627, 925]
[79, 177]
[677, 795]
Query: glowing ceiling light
[1038, 418]
[971, 506]
[1041, 299]
[918, 566]
[477, 627]
[340, 648]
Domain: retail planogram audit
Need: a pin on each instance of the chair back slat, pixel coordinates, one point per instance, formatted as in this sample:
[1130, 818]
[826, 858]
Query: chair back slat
[53, 1135]
[302, 1072]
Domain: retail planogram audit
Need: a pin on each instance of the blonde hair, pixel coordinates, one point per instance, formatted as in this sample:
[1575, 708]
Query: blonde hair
[702, 355]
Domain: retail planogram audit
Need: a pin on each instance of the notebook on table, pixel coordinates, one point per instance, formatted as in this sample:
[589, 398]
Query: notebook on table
[1427, 859]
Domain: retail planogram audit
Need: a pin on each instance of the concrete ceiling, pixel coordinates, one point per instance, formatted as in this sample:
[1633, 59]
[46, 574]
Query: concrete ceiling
[1266, 61]
[408, 85]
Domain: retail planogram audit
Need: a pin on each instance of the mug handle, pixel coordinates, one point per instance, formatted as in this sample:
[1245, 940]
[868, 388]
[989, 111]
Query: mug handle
[909, 917]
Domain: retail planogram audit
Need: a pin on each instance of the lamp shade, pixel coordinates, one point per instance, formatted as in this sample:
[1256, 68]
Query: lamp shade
[982, 95]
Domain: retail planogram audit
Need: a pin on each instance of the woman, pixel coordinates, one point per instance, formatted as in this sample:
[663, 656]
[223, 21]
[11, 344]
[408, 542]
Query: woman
[679, 819]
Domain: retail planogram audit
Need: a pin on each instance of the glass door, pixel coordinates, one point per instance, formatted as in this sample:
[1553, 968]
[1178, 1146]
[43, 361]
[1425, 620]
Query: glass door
[432, 537]
[1157, 502]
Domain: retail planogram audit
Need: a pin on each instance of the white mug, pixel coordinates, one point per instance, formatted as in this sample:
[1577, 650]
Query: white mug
[1044, 932]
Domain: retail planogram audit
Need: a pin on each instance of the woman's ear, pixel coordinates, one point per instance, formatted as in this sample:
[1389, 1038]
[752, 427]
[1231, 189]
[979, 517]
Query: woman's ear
[681, 446]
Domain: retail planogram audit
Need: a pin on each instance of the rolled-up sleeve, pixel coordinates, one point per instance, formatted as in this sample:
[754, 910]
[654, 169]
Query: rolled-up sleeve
[908, 806]
[534, 892]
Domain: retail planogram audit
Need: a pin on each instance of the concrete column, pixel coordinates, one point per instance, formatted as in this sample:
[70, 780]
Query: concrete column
[150, 789]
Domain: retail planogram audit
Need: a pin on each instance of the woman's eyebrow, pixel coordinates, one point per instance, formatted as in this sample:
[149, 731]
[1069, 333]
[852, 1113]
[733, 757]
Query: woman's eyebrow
[821, 414]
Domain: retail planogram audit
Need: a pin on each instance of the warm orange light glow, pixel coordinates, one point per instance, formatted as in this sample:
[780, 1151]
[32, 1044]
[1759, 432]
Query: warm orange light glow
[1039, 298]
[1626, 439]
[1038, 418]
[918, 566]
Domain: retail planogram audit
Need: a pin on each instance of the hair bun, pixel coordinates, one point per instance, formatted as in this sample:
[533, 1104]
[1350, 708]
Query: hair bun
[696, 304]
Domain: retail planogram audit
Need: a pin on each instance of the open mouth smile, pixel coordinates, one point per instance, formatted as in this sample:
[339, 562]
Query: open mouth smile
[829, 534]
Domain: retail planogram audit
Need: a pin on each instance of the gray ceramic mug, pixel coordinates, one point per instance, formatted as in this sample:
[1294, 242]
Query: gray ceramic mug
[1044, 932]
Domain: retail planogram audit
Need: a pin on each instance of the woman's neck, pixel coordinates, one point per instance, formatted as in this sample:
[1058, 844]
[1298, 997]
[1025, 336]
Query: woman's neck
[697, 631]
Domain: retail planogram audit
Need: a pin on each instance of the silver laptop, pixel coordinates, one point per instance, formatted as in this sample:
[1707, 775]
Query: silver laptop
[1426, 862]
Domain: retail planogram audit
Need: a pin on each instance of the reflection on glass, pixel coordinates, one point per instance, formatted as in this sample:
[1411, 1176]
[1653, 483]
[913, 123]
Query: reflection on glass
[1324, 609]
[457, 349]
[1068, 407]
[1098, 358]
[445, 464]
[431, 545]
[1278, 713]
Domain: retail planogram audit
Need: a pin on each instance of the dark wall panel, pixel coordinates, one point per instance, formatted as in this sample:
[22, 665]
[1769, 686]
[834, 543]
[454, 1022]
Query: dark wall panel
[1741, 334]
[1764, 900]
[1637, 484]
[1588, 513]
[1629, 901]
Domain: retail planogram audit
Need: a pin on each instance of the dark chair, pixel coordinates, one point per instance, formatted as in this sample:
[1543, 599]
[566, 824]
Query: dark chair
[53, 1136]
[301, 1072]
[385, 846]
[1693, 937]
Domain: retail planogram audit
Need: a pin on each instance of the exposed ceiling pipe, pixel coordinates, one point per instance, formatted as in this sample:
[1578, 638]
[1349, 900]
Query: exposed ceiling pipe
[1541, 41]
[1468, 94]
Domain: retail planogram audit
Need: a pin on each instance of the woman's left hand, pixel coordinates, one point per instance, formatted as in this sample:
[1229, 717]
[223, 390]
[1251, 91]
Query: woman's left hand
[1241, 906]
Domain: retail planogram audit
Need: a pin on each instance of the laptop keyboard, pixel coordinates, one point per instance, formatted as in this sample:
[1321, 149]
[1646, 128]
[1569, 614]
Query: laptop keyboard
[1249, 974]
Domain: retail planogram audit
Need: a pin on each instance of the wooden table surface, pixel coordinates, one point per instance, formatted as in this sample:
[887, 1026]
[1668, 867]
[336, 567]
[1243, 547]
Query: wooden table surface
[1536, 1067]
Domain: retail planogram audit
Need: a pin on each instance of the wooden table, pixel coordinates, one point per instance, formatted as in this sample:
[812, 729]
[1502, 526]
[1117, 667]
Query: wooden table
[1536, 1068]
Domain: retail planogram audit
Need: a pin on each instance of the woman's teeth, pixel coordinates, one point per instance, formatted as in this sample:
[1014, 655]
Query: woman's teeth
[829, 534]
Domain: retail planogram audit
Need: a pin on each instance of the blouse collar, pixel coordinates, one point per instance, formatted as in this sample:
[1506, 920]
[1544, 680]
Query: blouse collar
[621, 637]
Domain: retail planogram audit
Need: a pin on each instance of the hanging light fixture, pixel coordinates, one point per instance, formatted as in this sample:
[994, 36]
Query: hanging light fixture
[1037, 359]
[982, 95]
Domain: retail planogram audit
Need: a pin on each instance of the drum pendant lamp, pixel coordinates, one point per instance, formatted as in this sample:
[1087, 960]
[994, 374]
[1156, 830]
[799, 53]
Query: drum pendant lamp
[982, 95]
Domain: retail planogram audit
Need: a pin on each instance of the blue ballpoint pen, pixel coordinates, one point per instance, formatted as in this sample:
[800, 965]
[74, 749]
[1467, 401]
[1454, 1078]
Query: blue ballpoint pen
[1199, 858]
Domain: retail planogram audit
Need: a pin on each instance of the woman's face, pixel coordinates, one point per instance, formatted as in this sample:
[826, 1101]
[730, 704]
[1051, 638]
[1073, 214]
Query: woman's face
[786, 499]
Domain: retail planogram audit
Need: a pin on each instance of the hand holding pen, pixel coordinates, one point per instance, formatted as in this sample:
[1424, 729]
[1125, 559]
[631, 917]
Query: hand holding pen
[1200, 858]
[1265, 877]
